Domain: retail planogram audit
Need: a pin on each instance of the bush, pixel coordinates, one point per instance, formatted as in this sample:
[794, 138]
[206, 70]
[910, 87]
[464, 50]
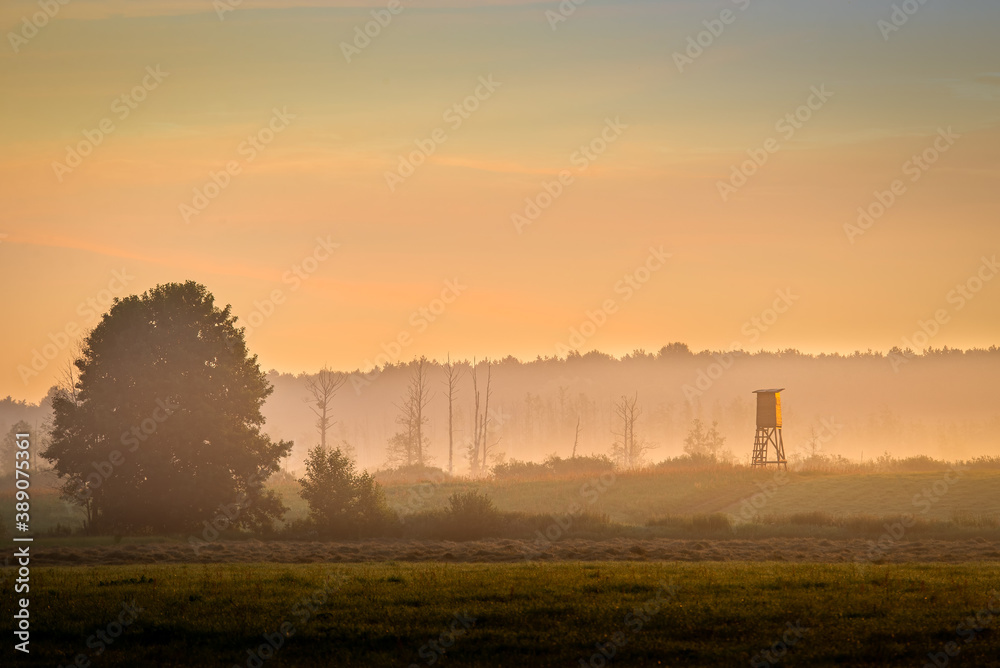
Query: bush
[984, 462]
[518, 470]
[714, 522]
[886, 463]
[471, 514]
[815, 518]
[976, 521]
[553, 466]
[711, 523]
[589, 465]
[695, 461]
[343, 503]
[411, 475]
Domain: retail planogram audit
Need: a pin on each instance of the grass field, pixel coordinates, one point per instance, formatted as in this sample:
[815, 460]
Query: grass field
[634, 498]
[512, 615]
[966, 499]
[667, 610]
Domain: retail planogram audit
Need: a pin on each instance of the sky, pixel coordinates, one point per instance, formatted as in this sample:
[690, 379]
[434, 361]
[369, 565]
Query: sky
[502, 178]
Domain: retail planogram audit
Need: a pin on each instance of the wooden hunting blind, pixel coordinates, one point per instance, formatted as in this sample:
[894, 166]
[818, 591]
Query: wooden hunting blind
[768, 429]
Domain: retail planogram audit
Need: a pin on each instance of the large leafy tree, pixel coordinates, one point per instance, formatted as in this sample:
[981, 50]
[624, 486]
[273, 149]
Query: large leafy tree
[164, 428]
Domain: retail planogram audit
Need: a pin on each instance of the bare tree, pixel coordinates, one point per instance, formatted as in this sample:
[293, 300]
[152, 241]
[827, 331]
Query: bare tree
[481, 449]
[452, 375]
[408, 447]
[70, 374]
[323, 388]
[703, 444]
[628, 450]
[576, 439]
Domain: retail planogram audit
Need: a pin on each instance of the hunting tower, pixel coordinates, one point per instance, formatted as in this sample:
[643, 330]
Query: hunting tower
[768, 429]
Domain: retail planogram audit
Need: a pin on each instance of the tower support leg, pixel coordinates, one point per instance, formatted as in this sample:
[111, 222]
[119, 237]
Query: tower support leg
[765, 439]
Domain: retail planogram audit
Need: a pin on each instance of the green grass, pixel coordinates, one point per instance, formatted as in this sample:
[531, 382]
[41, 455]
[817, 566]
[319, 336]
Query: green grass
[525, 614]
[637, 497]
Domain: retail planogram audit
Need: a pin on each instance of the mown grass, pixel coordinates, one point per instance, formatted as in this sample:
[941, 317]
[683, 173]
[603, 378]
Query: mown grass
[525, 614]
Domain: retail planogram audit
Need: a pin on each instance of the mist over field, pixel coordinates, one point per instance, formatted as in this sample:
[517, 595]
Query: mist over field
[489, 333]
[941, 404]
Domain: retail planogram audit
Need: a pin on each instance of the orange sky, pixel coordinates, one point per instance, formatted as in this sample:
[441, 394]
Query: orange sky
[670, 136]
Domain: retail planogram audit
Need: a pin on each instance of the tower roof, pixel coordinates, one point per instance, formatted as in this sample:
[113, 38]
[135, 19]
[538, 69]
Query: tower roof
[780, 389]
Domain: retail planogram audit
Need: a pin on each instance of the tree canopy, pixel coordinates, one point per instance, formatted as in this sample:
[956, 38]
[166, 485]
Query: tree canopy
[342, 502]
[165, 425]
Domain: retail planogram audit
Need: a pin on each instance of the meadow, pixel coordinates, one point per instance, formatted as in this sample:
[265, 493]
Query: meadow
[710, 501]
[565, 614]
[716, 566]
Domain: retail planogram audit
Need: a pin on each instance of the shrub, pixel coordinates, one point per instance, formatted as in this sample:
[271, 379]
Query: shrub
[553, 466]
[588, 465]
[816, 518]
[343, 503]
[518, 470]
[976, 521]
[983, 462]
[712, 523]
[702, 523]
[471, 514]
[696, 461]
[411, 475]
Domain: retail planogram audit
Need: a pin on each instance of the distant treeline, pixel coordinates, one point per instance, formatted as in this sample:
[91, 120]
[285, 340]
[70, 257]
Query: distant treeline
[940, 402]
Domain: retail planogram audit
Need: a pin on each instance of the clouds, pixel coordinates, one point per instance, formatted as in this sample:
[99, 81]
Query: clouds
[657, 186]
